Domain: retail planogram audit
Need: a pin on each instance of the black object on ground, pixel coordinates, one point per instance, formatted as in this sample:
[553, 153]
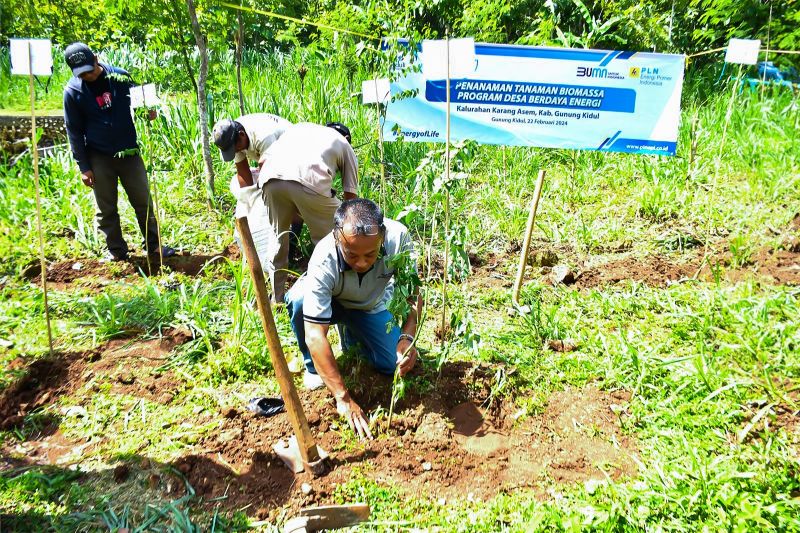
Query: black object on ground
[266, 406]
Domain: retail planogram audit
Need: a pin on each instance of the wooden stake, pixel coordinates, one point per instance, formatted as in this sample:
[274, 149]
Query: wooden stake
[523, 258]
[380, 146]
[308, 448]
[446, 196]
[239, 44]
[766, 57]
[154, 192]
[35, 153]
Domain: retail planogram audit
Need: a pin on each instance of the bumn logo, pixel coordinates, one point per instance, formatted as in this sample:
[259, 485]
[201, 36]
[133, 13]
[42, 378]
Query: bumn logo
[592, 72]
[635, 72]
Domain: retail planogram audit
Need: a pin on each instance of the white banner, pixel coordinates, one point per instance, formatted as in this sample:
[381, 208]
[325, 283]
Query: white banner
[550, 97]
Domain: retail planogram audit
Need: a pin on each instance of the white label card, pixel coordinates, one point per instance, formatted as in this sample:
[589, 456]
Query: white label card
[375, 91]
[40, 49]
[743, 51]
[144, 95]
[434, 58]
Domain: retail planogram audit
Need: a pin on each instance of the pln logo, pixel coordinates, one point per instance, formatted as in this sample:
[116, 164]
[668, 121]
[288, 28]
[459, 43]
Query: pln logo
[592, 72]
[643, 72]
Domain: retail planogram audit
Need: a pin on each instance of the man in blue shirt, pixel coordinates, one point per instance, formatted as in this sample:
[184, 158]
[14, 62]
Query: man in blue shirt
[97, 115]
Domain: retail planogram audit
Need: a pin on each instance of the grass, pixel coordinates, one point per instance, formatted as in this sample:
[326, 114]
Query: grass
[712, 367]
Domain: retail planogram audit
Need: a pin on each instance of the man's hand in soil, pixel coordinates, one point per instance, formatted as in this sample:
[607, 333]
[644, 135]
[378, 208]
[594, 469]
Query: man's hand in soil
[406, 356]
[88, 178]
[354, 415]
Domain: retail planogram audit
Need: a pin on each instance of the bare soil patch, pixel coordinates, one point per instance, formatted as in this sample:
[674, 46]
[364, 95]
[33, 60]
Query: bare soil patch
[779, 266]
[445, 443]
[775, 266]
[655, 271]
[449, 440]
[93, 272]
[132, 367]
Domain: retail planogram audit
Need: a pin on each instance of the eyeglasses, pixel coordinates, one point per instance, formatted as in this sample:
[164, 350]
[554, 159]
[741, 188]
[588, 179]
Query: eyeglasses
[351, 230]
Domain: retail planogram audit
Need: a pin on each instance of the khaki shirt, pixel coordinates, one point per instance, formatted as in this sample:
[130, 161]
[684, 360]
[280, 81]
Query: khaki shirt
[311, 154]
[263, 129]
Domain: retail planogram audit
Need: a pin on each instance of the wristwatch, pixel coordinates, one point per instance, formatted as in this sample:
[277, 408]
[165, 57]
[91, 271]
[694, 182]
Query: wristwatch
[406, 336]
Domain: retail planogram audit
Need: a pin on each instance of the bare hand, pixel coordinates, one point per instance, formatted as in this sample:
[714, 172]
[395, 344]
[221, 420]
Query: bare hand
[355, 416]
[406, 356]
[88, 178]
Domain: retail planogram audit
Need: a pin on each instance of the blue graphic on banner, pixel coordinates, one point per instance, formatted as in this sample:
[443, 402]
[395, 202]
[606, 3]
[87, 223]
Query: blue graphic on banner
[618, 101]
[532, 94]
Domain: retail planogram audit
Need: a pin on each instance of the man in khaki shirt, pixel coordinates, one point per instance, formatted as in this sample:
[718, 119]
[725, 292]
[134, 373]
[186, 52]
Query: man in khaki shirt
[297, 179]
[244, 140]
[247, 139]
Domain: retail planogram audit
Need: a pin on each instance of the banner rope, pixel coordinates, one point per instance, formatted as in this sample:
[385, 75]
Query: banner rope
[374, 38]
[768, 50]
[299, 21]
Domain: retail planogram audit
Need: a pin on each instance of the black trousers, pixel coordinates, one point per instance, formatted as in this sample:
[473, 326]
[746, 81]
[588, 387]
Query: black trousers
[130, 172]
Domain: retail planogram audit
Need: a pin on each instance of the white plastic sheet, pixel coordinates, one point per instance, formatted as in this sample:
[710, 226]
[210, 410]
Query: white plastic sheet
[250, 204]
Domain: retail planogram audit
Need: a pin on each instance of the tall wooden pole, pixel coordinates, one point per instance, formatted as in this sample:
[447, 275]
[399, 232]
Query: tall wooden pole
[378, 105]
[239, 44]
[526, 245]
[305, 441]
[446, 195]
[35, 153]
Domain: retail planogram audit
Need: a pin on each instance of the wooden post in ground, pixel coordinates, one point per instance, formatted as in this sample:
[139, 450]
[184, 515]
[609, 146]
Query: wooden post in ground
[305, 441]
[378, 103]
[526, 244]
[445, 269]
[35, 154]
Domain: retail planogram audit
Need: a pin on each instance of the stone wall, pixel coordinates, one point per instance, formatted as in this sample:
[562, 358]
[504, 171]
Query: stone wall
[15, 132]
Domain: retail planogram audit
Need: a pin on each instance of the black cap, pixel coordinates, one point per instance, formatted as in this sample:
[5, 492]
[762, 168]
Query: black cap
[80, 58]
[341, 128]
[224, 133]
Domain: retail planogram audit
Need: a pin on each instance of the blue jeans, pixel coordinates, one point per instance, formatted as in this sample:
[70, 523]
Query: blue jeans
[357, 328]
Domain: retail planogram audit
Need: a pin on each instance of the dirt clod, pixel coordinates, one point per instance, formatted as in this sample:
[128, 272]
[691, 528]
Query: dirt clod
[792, 244]
[562, 345]
[12, 422]
[433, 428]
[562, 274]
[121, 473]
[126, 379]
[543, 258]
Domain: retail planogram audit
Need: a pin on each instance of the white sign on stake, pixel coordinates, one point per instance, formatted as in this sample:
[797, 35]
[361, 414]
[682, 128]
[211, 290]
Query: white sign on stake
[375, 91]
[743, 51]
[42, 51]
[144, 95]
[434, 58]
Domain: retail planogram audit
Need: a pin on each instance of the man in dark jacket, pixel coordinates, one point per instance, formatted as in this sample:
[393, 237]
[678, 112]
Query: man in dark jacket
[97, 114]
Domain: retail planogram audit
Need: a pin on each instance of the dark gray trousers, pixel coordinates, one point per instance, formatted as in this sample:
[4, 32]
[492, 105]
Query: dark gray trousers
[130, 172]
